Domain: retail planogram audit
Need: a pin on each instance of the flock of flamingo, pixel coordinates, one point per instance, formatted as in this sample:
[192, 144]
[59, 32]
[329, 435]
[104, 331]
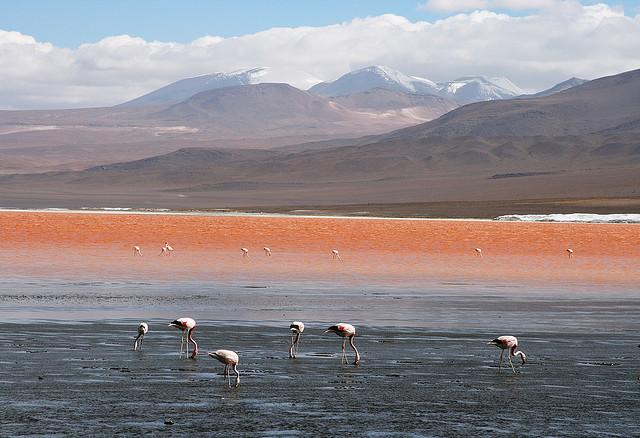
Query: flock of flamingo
[167, 249]
[230, 358]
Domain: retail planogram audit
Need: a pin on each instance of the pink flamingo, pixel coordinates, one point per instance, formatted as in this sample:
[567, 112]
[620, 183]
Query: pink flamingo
[186, 325]
[166, 249]
[296, 327]
[478, 251]
[229, 359]
[143, 328]
[336, 254]
[267, 251]
[137, 250]
[345, 331]
[508, 343]
[245, 252]
[570, 253]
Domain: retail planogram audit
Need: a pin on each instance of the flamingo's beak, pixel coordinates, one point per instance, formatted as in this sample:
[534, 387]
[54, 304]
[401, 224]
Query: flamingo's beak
[491, 343]
[326, 331]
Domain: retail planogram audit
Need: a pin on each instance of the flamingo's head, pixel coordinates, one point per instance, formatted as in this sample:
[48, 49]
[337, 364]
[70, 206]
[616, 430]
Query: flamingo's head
[523, 357]
[333, 329]
[495, 342]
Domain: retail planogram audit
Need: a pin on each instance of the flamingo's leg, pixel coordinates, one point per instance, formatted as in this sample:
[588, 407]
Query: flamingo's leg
[291, 348]
[344, 354]
[511, 363]
[500, 363]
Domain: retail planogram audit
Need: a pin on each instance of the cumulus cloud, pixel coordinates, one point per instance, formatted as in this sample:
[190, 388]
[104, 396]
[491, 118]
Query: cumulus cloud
[558, 40]
[470, 5]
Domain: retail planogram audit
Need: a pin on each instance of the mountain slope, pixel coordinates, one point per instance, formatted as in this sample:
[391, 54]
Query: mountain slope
[185, 88]
[421, 107]
[564, 85]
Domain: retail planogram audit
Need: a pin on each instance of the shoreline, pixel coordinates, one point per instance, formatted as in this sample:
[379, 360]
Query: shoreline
[238, 213]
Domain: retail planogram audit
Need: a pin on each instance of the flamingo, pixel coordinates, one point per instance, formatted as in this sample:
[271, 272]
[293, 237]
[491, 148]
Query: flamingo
[296, 328]
[267, 251]
[510, 343]
[345, 331]
[478, 251]
[137, 250]
[229, 359]
[336, 254]
[570, 253]
[187, 325]
[143, 328]
[245, 252]
[166, 249]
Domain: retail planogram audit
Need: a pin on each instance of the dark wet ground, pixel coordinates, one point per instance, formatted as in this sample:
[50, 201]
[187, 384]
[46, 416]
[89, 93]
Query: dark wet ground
[426, 368]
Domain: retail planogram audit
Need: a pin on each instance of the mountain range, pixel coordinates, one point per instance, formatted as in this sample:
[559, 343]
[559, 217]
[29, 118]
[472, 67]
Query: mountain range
[462, 90]
[578, 143]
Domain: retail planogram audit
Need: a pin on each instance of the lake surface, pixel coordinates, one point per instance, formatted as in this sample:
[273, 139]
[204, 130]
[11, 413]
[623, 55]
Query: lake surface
[66, 365]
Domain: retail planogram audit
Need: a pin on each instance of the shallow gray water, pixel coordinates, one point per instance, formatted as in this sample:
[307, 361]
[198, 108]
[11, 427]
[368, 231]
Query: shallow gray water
[66, 365]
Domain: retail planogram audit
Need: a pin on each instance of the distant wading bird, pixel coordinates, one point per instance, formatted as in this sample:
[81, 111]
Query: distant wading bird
[245, 252]
[187, 325]
[267, 251]
[143, 328]
[166, 249]
[296, 328]
[336, 254]
[137, 250]
[478, 251]
[570, 253]
[229, 359]
[345, 331]
[508, 343]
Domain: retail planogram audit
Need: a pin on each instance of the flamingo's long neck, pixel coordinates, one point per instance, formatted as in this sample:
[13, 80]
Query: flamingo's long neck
[195, 344]
[357, 361]
[514, 353]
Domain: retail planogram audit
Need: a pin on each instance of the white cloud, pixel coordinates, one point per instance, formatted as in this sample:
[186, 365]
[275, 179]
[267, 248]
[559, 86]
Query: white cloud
[453, 6]
[557, 41]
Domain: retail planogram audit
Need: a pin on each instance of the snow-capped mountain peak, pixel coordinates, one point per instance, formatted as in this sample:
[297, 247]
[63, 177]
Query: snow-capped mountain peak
[375, 76]
[185, 88]
[479, 88]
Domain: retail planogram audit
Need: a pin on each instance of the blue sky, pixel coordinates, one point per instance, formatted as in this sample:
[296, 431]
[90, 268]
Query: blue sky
[69, 23]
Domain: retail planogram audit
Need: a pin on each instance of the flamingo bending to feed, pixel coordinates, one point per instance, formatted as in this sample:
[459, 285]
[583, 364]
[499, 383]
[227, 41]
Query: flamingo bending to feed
[229, 359]
[245, 252]
[137, 250]
[345, 331]
[478, 251]
[296, 327]
[336, 254]
[267, 251]
[570, 253]
[166, 249]
[508, 343]
[187, 325]
[143, 328]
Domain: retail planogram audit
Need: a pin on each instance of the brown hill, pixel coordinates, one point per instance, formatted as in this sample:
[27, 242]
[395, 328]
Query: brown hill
[249, 116]
[605, 104]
